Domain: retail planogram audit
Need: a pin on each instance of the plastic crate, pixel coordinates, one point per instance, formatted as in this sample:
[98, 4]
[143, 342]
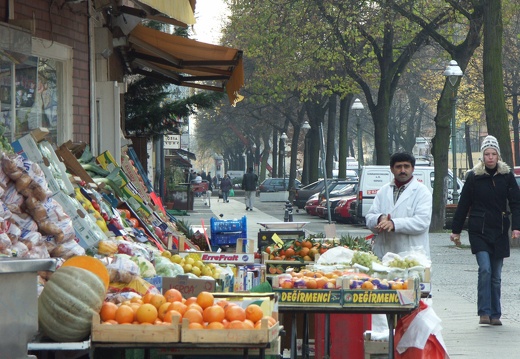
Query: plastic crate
[228, 225]
[230, 238]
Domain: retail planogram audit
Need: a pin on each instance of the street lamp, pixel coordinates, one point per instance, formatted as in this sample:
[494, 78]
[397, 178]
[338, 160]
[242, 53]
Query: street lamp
[453, 73]
[305, 179]
[283, 137]
[255, 167]
[357, 106]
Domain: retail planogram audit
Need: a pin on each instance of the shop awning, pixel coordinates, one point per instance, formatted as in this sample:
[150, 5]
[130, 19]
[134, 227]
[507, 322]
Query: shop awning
[188, 154]
[182, 10]
[185, 62]
[178, 161]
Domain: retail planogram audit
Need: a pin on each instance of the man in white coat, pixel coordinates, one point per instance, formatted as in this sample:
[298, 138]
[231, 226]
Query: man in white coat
[402, 210]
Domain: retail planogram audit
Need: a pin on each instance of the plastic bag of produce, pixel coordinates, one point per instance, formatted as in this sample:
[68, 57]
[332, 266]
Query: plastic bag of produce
[122, 269]
[146, 268]
[418, 335]
[67, 250]
[164, 267]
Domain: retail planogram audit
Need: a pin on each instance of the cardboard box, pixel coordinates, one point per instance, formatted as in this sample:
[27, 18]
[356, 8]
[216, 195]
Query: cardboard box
[189, 287]
[87, 231]
[134, 333]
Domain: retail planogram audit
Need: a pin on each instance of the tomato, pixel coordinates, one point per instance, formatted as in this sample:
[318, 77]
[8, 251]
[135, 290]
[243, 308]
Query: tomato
[133, 221]
[125, 213]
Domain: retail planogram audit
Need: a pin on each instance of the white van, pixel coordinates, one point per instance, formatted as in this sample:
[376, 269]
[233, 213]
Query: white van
[374, 177]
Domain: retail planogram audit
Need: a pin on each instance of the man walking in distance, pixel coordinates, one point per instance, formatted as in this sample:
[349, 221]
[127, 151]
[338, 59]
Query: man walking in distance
[249, 182]
[402, 210]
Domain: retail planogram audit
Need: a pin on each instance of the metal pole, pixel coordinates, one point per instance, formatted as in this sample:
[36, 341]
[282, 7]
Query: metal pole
[283, 169]
[322, 147]
[360, 148]
[455, 193]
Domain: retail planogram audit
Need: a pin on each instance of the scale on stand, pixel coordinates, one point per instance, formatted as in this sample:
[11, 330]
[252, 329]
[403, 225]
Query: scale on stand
[286, 231]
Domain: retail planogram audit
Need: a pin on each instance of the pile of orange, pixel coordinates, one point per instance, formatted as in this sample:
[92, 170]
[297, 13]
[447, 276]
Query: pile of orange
[201, 311]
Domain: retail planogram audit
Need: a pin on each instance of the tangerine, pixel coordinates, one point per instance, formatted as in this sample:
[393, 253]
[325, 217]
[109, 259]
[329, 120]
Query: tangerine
[213, 313]
[195, 326]
[157, 300]
[147, 297]
[248, 324]
[215, 325]
[311, 284]
[205, 299]
[254, 313]
[108, 311]
[110, 321]
[321, 282]
[163, 309]
[235, 313]
[179, 306]
[307, 244]
[367, 285]
[169, 315]
[173, 295]
[196, 306]
[223, 303]
[193, 316]
[137, 299]
[190, 300]
[270, 320]
[236, 324]
[147, 313]
[124, 314]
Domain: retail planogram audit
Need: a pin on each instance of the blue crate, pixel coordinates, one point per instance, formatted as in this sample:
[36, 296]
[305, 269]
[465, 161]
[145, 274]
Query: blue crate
[228, 225]
[230, 238]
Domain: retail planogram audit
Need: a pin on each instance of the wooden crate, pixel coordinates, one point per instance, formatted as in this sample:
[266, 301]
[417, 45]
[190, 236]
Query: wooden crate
[375, 349]
[263, 335]
[135, 333]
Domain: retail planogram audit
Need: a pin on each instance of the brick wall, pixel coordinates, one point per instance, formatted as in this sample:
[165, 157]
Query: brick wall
[68, 25]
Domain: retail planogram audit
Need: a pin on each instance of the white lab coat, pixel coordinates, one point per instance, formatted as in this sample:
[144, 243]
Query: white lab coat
[411, 215]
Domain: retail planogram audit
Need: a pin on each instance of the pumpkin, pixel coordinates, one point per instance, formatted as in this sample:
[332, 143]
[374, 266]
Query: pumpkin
[67, 303]
[91, 264]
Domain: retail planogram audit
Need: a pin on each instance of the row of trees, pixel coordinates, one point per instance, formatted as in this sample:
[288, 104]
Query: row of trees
[306, 60]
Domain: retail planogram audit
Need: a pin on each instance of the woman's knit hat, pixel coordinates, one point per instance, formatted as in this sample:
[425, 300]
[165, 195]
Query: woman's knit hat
[489, 142]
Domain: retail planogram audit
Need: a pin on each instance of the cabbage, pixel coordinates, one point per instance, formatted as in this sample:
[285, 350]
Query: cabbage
[146, 268]
[166, 268]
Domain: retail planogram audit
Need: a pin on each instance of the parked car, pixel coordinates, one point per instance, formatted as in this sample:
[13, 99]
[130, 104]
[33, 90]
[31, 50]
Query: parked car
[311, 204]
[302, 194]
[277, 184]
[341, 211]
[338, 191]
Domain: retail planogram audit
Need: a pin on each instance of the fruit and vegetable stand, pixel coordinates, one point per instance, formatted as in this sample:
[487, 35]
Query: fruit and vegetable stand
[346, 302]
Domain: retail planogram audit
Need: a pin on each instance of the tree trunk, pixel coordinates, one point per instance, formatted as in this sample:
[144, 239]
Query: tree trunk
[331, 135]
[496, 115]
[440, 146]
[380, 118]
[469, 153]
[343, 133]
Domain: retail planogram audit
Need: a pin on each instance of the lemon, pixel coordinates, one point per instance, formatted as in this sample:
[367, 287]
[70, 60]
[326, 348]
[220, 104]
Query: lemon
[166, 254]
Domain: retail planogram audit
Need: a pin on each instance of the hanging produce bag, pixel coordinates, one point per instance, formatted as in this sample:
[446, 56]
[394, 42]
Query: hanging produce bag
[418, 335]
[231, 193]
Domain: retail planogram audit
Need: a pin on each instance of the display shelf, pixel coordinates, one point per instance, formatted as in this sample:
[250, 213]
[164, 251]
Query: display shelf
[283, 225]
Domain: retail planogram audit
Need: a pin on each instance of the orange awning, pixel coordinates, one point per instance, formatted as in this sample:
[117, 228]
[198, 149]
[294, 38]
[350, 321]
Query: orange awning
[185, 62]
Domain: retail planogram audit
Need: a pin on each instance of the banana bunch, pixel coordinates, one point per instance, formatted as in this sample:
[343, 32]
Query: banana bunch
[89, 207]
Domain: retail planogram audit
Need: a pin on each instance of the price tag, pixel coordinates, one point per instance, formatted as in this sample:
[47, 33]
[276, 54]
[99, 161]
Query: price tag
[277, 240]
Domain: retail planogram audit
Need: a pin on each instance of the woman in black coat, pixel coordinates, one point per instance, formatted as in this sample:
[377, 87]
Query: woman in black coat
[490, 195]
[225, 186]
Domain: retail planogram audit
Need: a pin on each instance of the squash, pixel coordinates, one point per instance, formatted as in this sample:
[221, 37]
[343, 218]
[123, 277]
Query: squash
[91, 264]
[67, 303]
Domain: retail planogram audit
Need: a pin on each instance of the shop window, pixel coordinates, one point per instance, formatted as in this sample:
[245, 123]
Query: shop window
[32, 89]
[28, 94]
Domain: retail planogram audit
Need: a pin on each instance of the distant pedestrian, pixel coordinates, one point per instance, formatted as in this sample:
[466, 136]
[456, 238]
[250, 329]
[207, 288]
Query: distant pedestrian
[225, 186]
[490, 195]
[249, 182]
[207, 201]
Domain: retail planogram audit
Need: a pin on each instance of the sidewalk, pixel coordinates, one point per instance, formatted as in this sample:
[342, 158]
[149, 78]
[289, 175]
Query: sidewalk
[454, 283]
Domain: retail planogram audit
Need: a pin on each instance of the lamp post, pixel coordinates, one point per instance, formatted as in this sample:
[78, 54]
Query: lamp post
[453, 73]
[306, 127]
[283, 137]
[357, 106]
[255, 167]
